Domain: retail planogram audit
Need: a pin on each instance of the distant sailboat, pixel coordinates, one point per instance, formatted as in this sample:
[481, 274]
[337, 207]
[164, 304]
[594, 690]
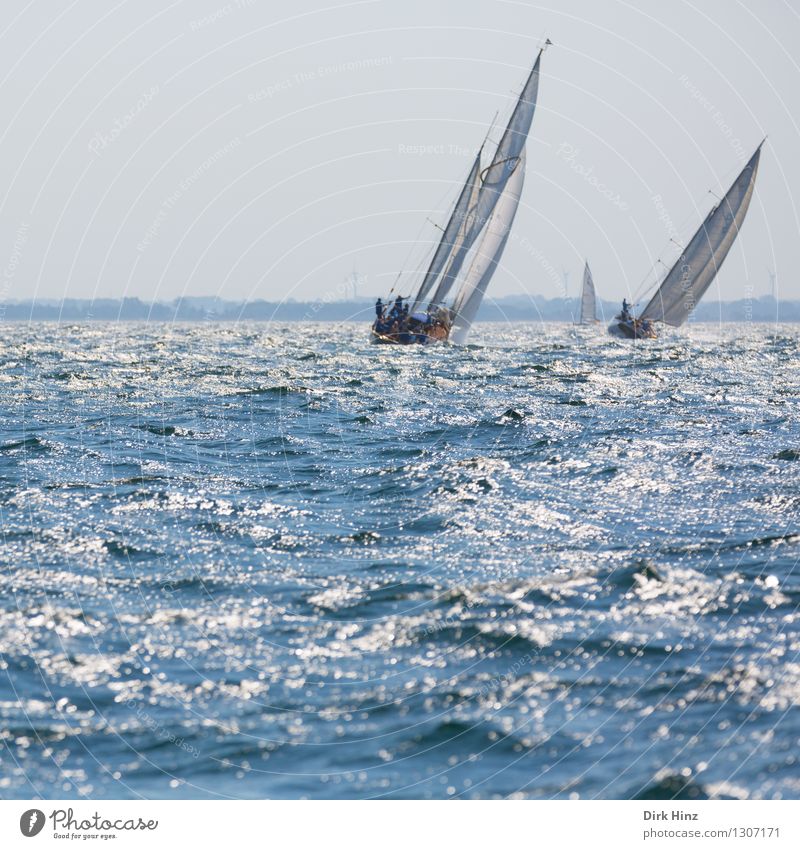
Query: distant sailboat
[588, 298]
[473, 239]
[694, 271]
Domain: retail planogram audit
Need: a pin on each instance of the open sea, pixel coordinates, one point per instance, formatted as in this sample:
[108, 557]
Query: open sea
[277, 561]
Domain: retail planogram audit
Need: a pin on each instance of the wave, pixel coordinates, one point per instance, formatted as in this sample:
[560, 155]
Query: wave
[676, 787]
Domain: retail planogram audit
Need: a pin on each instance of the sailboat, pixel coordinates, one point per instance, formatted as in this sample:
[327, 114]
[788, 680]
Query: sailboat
[697, 266]
[472, 242]
[588, 298]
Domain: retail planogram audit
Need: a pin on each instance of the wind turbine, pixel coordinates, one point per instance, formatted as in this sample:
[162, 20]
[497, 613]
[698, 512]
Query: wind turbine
[565, 278]
[353, 282]
[773, 289]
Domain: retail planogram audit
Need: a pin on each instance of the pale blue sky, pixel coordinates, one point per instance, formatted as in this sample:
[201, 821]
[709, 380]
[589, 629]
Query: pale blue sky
[261, 150]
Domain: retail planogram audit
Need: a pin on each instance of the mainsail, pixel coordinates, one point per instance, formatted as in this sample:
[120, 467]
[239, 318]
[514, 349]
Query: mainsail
[696, 268]
[495, 177]
[453, 233]
[487, 255]
[588, 298]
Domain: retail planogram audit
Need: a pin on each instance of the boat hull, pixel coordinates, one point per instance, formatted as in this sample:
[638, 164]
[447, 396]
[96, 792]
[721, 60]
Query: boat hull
[401, 339]
[405, 337]
[632, 329]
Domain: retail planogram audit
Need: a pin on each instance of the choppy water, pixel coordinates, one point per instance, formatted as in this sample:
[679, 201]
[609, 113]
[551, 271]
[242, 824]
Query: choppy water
[249, 561]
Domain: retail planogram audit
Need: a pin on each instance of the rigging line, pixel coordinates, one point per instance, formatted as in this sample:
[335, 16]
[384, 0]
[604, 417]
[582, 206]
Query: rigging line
[408, 256]
[425, 261]
[420, 265]
[462, 226]
[680, 228]
[644, 287]
[487, 137]
[431, 221]
[445, 194]
[736, 168]
[450, 206]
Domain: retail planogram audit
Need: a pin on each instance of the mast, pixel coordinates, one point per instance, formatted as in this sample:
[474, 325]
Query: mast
[455, 228]
[495, 177]
[694, 271]
[487, 256]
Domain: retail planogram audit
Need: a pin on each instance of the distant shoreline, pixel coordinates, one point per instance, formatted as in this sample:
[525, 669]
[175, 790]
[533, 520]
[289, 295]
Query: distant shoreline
[516, 308]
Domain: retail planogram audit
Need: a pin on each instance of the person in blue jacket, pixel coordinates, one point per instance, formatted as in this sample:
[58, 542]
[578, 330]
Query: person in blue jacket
[397, 308]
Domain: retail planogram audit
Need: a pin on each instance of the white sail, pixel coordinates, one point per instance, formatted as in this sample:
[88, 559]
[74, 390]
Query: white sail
[454, 232]
[693, 273]
[588, 298]
[487, 256]
[495, 177]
